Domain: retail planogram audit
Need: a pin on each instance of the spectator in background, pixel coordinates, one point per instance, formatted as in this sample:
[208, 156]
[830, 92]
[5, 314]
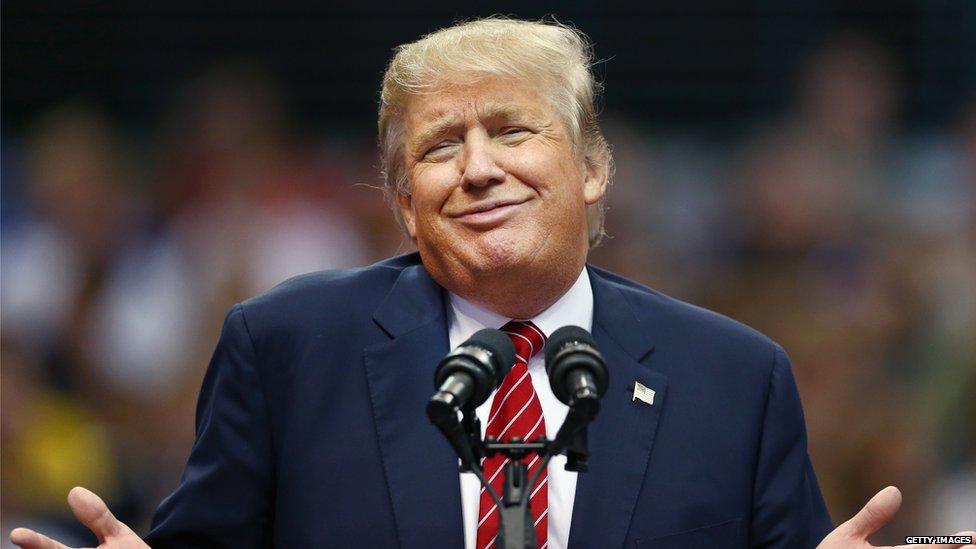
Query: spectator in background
[255, 206]
[938, 206]
[827, 265]
[56, 253]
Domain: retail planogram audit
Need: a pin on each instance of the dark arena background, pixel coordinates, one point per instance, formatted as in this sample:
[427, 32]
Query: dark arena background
[162, 161]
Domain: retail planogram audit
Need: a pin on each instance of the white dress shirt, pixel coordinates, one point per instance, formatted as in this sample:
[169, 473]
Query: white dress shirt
[575, 307]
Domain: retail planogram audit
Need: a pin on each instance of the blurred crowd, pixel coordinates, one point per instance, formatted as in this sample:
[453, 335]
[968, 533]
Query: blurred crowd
[844, 238]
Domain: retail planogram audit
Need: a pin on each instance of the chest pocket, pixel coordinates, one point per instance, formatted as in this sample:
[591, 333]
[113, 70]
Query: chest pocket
[727, 534]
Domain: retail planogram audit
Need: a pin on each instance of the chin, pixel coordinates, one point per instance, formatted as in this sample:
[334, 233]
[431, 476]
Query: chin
[498, 253]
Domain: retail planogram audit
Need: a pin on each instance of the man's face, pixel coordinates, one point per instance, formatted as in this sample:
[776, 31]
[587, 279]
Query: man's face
[495, 186]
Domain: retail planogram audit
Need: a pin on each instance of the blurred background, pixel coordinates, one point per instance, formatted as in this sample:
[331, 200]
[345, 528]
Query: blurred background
[808, 168]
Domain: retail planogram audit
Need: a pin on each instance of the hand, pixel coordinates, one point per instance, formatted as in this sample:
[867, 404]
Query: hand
[854, 533]
[93, 513]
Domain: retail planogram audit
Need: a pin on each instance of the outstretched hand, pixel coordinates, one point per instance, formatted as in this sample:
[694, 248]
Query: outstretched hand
[113, 534]
[93, 513]
[854, 533]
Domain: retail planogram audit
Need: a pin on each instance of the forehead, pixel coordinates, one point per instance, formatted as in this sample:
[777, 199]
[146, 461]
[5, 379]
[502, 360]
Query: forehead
[461, 104]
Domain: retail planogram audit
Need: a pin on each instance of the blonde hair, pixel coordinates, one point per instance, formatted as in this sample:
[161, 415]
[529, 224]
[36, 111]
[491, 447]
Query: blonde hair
[550, 54]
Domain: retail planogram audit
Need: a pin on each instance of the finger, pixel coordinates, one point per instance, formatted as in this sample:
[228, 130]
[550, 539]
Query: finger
[875, 514]
[29, 539]
[972, 536]
[93, 513]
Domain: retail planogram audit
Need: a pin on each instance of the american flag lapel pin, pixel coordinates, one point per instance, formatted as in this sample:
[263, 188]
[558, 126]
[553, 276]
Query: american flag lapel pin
[642, 393]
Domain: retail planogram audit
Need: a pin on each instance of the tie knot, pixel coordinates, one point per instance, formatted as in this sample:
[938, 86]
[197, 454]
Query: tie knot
[528, 339]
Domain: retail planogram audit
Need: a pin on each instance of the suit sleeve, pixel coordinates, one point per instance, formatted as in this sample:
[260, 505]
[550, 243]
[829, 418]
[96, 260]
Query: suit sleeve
[788, 509]
[225, 497]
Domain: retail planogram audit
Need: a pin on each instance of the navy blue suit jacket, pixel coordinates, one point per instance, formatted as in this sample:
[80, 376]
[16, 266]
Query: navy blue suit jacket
[311, 429]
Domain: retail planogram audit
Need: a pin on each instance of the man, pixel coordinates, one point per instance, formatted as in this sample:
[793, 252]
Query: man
[310, 427]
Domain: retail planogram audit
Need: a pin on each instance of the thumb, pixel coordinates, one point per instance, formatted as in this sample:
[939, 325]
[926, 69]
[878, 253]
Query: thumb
[93, 513]
[875, 514]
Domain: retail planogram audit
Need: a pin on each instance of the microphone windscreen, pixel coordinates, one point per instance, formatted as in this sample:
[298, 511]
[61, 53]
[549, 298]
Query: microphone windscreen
[566, 335]
[500, 347]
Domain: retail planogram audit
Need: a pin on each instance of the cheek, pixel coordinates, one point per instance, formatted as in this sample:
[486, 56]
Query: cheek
[564, 183]
[432, 187]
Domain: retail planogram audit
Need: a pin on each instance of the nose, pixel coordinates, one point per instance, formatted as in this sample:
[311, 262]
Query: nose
[478, 163]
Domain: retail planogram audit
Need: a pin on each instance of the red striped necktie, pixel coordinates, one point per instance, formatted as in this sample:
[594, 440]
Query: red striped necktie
[516, 412]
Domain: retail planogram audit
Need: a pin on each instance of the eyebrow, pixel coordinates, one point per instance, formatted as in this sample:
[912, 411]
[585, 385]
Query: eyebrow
[506, 111]
[439, 127]
[493, 110]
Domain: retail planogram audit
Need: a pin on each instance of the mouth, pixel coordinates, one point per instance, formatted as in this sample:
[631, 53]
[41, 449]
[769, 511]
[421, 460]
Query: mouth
[489, 214]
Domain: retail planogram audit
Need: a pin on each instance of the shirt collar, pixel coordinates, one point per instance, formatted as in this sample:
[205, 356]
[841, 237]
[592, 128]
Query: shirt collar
[575, 307]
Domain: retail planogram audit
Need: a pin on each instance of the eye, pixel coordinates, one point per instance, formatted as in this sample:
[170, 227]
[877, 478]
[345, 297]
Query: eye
[440, 149]
[514, 135]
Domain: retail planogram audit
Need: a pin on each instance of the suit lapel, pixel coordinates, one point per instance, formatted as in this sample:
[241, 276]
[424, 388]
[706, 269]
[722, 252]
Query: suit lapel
[420, 466]
[621, 437]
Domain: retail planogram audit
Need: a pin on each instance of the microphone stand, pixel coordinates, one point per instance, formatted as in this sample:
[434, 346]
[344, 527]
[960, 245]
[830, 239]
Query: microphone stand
[516, 528]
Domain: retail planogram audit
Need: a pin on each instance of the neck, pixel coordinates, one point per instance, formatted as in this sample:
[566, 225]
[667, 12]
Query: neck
[507, 293]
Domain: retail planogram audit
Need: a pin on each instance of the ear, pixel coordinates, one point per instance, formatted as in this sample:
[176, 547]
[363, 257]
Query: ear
[596, 176]
[405, 203]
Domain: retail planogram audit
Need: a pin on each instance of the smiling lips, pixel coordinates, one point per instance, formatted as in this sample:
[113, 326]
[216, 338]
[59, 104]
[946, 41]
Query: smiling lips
[489, 214]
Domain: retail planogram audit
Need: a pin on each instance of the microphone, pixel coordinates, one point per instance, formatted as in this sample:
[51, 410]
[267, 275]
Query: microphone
[464, 379]
[577, 372]
[578, 377]
[467, 375]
